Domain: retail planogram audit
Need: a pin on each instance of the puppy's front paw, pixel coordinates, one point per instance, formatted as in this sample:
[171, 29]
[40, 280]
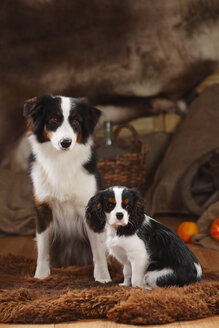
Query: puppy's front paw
[42, 272]
[138, 285]
[125, 283]
[138, 282]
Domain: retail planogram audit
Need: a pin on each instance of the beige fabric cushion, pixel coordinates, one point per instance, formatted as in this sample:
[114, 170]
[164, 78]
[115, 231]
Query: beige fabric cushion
[16, 206]
[204, 224]
[195, 137]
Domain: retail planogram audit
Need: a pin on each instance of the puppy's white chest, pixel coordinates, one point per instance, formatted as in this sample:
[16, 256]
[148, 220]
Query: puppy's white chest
[113, 244]
[126, 248]
[116, 248]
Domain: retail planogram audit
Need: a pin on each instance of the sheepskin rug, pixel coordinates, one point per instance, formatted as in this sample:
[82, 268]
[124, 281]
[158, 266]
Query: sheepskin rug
[72, 294]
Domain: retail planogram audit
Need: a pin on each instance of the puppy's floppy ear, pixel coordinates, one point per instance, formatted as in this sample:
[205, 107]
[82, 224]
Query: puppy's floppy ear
[91, 116]
[96, 218]
[138, 212]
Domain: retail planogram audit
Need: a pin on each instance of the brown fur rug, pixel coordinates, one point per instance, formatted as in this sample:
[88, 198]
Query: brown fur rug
[71, 294]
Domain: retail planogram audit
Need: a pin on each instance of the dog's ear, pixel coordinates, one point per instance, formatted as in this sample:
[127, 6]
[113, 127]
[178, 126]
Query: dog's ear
[35, 105]
[138, 212]
[34, 111]
[91, 116]
[95, 216]
[31, 106]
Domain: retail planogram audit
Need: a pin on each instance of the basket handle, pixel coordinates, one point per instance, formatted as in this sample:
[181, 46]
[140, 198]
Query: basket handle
[122, 142]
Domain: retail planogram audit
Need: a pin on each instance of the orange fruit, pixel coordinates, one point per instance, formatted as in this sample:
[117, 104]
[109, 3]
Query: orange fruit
[215, 229]
[186, 230]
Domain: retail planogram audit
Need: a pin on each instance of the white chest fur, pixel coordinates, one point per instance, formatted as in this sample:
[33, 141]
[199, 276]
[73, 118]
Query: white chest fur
[126, 248]
[60, 176]
[60, 180]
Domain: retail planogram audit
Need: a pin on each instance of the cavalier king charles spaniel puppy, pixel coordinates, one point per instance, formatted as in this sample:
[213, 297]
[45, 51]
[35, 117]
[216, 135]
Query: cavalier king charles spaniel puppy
[151, 254]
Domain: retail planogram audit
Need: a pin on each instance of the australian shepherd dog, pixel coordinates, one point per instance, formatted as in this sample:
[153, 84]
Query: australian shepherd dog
[64, 177]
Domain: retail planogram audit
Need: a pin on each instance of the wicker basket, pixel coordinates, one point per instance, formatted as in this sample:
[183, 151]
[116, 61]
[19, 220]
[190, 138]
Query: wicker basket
[128, 169]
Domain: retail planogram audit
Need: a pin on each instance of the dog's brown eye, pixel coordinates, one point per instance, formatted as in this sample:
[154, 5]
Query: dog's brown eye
[53, 120]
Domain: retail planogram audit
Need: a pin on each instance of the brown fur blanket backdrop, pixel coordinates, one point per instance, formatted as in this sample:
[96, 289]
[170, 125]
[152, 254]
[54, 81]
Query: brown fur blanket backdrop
[71, 294]
[102, 48]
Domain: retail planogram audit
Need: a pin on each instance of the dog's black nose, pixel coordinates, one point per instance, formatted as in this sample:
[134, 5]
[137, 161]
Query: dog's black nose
[65, 143]
[119, 215]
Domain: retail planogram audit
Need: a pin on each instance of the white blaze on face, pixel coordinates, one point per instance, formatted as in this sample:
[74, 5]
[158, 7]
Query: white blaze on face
[65, 130]
[112, 218]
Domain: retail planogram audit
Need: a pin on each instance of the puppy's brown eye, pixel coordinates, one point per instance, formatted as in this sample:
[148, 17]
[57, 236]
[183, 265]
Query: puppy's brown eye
[110, 206]
[75, 122]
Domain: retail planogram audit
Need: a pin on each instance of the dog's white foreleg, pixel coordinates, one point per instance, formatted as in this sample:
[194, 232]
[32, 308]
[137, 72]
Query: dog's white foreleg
[138, 271]
[98, 247]
[127, 272]
[43, 258]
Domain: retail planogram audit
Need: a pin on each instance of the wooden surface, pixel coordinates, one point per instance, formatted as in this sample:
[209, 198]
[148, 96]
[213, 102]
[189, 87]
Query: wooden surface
[212, 322]
[25, 246]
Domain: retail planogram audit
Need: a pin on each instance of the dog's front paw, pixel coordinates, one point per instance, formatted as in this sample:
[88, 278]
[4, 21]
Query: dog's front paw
[102, 276]
[42, 272]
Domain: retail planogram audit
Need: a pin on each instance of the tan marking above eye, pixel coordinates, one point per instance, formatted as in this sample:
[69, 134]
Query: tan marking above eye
[126, 201]
[72, 118]
[112, 200]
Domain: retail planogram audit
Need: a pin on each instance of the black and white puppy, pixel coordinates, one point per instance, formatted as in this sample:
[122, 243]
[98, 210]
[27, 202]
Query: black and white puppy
[151, 254]
[64, 178]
